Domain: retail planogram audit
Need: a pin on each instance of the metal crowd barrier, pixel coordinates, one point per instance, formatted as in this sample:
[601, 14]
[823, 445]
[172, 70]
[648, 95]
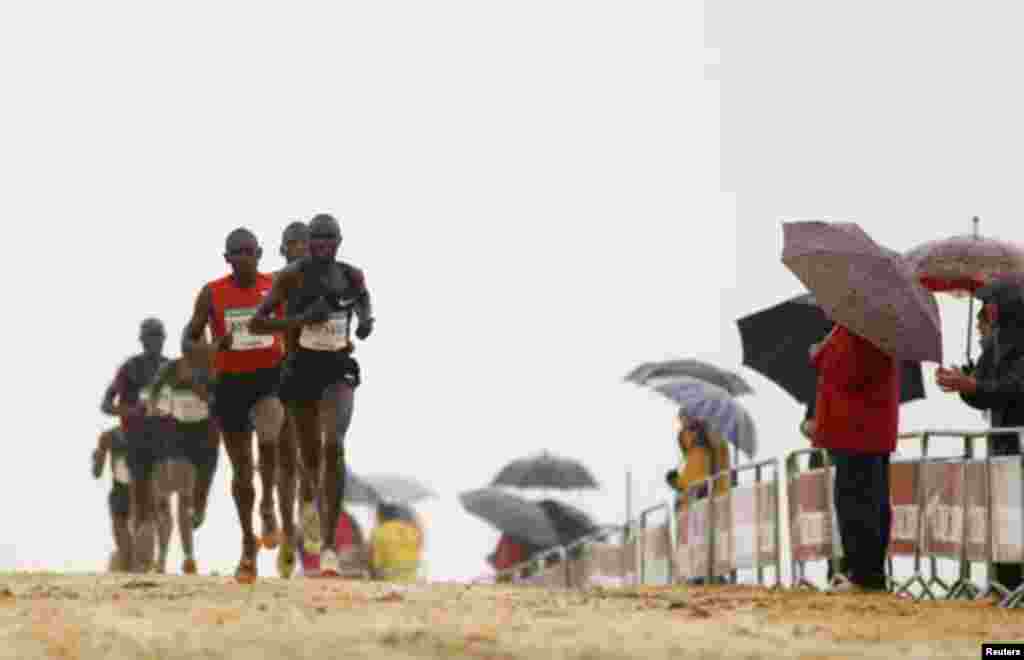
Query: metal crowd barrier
[557, 567]
[713, 536]
[943, 508]
[717, 535]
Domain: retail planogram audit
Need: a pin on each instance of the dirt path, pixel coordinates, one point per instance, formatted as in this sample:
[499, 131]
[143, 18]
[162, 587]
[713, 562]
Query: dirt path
[82, 616]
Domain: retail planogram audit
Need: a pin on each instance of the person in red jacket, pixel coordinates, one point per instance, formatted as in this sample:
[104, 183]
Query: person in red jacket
[856, 420]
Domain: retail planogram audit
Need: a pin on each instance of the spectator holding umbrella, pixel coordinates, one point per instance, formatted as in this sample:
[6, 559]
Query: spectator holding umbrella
[510, 552]
[997, 383]
[856, 419]
[882, 315]
[395, 546]
[704, 454]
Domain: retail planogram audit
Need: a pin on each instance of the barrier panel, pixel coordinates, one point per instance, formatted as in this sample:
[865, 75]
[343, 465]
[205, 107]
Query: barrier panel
[903, 476]
[655, 547]
[1007, 537]
[976, 505]
[718, 535]
[813, 528]
[604, 565]
[693, 539]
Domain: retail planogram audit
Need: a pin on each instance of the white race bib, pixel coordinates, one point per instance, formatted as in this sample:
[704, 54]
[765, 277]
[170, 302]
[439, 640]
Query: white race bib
[329, 336]
[237, 323]
[186, 406]
[122, 474]
[164, 405]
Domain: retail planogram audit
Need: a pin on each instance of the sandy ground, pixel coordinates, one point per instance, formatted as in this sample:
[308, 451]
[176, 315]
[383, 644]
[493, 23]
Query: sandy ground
[122, 616]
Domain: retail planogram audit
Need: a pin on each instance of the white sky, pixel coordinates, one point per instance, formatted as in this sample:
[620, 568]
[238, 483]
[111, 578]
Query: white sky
[541, 194]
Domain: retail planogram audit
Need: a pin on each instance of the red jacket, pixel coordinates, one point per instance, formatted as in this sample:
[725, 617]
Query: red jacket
[508, 554]
[857, 407]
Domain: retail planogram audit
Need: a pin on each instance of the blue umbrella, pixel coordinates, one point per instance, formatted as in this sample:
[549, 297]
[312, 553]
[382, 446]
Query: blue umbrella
[702, 400]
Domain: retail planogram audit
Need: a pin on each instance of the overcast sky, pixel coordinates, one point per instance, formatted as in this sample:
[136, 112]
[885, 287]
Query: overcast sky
[542, 195]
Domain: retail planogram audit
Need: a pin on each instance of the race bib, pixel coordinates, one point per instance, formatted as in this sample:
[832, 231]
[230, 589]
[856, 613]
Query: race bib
[122, 474]
[164, 405]
[186, 406]
[329, 336]
[237, 323]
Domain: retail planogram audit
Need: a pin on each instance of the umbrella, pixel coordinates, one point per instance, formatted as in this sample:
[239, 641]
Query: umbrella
[512, 515]
[868, 288]
[776, 341]
[701, 400]
[963, 263]
[669, 370]
[358, 491]
[546, 470]
[570, 523]
[397, 488]
[958, 261]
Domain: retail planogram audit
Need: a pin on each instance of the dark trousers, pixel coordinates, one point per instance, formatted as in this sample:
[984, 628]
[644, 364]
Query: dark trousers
[864, 512]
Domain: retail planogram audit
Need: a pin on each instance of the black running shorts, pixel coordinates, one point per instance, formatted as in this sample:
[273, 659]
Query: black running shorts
[236, 394]
[307, 374]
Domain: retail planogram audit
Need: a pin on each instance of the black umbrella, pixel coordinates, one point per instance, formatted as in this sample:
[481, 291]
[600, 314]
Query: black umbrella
[546, 471]
[776, 343]
[514, 516]
[570, 523]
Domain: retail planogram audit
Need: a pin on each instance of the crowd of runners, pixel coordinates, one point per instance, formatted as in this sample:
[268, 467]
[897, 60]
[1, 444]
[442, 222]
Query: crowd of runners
[264, 355]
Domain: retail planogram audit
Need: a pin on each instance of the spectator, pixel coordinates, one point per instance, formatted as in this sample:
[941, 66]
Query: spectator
[857, 420]
[704, 454]
[997, 384]
[985, 338]
[395, 546]
[510, 552]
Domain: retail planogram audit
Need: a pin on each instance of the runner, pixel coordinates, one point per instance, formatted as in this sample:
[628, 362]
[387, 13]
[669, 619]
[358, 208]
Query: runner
[123, 398]
[112, 442]
[248, 376]
[294, 245]
[191, 457]
[320, 376]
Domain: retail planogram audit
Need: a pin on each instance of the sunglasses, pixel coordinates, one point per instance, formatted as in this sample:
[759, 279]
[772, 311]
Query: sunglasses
[244, 252]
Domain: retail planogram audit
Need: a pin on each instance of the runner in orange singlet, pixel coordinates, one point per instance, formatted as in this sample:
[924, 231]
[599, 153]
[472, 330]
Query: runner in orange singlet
[248, 377]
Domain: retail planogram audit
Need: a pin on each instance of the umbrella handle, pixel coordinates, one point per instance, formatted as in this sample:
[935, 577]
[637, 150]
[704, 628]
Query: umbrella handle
[970, 326]
[970, 305]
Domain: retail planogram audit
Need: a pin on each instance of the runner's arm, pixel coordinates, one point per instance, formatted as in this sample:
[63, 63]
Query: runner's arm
[115, 392]
[262, 322]
[107, 406]
[363, 307]
[99, 455]
[192, 335]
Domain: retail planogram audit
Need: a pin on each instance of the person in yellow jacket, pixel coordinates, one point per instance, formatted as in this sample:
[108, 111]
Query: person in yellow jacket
[396, 546]
[704, 453]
